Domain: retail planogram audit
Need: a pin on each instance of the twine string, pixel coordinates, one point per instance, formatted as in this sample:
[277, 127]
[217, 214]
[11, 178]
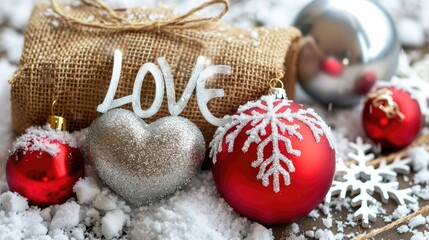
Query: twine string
[115, 21]
[396, 223]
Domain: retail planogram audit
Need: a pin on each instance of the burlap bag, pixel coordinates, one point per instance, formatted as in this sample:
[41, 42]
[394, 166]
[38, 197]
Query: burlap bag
[68, 57]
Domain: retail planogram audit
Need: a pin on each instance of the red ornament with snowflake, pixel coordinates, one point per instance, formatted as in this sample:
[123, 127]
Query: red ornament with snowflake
[275, 161]
[392, 118]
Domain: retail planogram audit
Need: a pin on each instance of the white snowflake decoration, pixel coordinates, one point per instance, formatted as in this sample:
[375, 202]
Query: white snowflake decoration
[270, 116]
[363, 180]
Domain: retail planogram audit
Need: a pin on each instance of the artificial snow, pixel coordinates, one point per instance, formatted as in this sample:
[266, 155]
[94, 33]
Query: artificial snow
[400, 211]
[411, 32]
[419, 157]
[16, 12]
[196, 212]
[417, 221]
[412, 79]
[324, 234]
[421, 67]
[420, 163]
[327, 222]
[78, 234]
[6, 70]
[422, 177]
[12, 202]
[86, 190]
[325, 209]
[12, 43]
[41, 139]
[309, 233]
[66, 216]
[105, 201]
[314, 214]
[293, 236]
[46, 214]
[112, 223]
[403, 229]
[259, 232]
[22, 225]
[421, 192]
[295, 228]
[419, 236]
[415, 12]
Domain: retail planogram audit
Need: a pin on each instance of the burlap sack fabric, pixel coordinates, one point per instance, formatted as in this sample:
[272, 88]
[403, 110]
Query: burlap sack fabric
[69, 57]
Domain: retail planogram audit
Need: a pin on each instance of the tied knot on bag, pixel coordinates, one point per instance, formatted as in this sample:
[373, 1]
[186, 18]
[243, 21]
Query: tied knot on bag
[114, 21]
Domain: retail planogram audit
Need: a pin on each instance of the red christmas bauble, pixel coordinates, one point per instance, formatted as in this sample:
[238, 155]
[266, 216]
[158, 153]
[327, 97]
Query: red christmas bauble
[42, 169]
[392, 118]
[275, 162]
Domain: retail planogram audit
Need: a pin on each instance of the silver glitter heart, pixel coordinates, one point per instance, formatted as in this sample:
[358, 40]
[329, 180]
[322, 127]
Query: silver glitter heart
[140, 162]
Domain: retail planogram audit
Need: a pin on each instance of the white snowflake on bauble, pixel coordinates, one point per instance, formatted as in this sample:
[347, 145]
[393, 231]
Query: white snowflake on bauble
[360, 181]
[272, 125]
[274, 160]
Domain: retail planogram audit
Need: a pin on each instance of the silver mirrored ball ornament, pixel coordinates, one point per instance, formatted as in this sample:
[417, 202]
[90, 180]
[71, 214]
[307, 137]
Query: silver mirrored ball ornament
[140, 162]
[347, 47]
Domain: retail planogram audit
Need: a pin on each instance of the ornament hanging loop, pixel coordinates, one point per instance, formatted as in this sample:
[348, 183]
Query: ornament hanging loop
[57, 121]
[276, 90]
[384, 101]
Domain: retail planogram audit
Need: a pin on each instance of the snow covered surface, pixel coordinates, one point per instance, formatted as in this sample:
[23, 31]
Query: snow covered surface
[35, 139]
[197, 211]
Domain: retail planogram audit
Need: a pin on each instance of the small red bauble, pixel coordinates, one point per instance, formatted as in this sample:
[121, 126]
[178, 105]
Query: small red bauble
[332, 66]
[275, 162]
[392, 118]
[364, 84]
[43, 167]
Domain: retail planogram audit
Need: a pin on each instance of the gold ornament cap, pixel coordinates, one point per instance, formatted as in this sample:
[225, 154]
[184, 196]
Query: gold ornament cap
[278, 92]
[57, 121]
[383, 99]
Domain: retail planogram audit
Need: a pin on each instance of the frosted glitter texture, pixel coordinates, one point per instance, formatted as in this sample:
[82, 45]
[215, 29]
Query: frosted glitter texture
[144, 163]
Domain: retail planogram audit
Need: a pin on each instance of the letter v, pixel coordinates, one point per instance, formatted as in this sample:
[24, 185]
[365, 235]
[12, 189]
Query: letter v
[175, 108]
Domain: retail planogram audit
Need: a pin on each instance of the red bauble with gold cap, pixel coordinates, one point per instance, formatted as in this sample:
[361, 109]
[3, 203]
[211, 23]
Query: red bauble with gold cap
[45, 164]
[391, 118]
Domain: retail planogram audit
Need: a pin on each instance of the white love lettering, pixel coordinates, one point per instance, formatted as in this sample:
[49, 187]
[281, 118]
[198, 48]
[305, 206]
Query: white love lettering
[173, 107]
[163, 75]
